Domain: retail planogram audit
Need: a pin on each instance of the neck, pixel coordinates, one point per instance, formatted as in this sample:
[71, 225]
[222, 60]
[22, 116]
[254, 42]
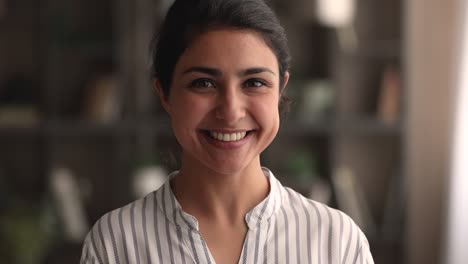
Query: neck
[207, 194]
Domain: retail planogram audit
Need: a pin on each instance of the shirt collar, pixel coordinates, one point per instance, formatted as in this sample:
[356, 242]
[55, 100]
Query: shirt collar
[262, 212]
[256, 217]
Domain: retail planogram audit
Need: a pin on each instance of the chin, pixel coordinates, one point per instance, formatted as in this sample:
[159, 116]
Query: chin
[231, 166]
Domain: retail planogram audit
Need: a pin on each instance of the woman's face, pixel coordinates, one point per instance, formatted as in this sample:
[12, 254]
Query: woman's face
[223, 101]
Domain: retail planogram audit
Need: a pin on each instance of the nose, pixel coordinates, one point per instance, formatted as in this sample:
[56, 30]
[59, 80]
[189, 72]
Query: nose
[231, 105]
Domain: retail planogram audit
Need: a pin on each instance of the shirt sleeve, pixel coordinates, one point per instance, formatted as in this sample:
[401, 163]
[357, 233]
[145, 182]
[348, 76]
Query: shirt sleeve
[88, 253]
[355, 247]
[364, 254]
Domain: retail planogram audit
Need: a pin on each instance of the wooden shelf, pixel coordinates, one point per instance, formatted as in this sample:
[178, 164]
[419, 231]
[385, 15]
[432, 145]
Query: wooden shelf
[85, 128]
[368, 126]
[303, 128]
[355, 125]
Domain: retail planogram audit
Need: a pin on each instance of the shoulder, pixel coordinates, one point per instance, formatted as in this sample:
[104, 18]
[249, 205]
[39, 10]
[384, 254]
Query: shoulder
[303, 211]
[118, 229]
[329, 225]
[321, 214]
[294, 201]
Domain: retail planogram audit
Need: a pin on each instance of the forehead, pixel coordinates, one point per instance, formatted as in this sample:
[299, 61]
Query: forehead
[228, 49]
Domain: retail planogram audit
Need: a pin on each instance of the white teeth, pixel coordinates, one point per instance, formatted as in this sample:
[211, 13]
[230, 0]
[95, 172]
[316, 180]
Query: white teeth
[228, 136]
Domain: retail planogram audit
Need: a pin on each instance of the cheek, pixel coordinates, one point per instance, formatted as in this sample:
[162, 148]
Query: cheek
[188, 111]
[267, 113]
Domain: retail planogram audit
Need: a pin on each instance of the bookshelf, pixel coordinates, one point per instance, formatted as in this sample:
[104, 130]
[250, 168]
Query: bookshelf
[88, 47]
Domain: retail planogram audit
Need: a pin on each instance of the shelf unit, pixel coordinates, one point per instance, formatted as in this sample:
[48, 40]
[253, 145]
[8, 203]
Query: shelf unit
[79, 45]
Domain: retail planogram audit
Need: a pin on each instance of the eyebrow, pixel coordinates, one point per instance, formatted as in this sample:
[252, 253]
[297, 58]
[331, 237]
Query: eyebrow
[256, 70]
[215, 72]
[206, 70]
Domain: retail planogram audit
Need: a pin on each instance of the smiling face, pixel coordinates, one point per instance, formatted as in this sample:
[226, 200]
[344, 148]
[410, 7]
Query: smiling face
[223, 101]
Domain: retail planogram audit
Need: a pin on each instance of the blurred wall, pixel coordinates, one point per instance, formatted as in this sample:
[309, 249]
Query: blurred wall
[457, 216]
[431, 64]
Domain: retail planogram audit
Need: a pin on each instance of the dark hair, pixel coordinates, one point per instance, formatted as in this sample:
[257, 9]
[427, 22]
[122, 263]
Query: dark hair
[187, 19]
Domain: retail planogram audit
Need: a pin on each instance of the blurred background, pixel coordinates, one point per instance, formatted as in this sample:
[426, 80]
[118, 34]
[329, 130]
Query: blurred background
[375, 128]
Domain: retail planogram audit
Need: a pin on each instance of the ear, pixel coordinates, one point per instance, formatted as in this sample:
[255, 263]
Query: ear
[162, 98]
[285, 82]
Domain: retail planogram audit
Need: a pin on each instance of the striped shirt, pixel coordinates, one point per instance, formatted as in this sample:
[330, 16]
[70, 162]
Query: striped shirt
[284, 228]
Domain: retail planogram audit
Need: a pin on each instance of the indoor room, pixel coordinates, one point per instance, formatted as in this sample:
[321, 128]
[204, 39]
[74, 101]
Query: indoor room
[376, 123]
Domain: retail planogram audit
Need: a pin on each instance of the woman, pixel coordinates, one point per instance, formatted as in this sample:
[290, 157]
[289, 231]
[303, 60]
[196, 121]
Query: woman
[220, 70]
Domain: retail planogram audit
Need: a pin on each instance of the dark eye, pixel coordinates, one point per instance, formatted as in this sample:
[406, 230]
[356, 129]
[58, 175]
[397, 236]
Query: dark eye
[254, 83]
[202, 83]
